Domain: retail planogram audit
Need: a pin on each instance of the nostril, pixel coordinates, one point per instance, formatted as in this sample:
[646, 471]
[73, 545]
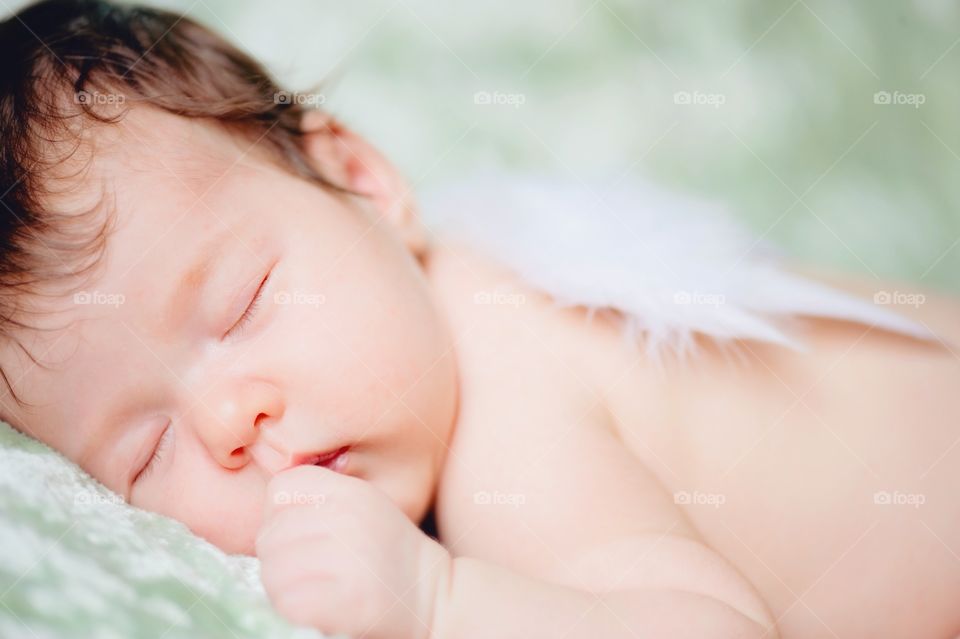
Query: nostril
[237, 452]
[256, 422]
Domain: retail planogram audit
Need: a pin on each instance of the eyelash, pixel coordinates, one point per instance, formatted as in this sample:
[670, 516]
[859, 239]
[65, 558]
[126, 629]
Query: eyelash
[155, 457]
[250, 310]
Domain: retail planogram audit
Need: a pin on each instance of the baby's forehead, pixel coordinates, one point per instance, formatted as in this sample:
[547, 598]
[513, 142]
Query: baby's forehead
[149, 147]
[143, 178]
[167, 183]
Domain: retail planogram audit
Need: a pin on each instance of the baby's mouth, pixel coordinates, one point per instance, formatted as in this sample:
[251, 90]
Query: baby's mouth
[335, 460]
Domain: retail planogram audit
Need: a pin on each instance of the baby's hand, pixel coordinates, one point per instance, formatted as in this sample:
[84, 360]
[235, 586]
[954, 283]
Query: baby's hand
[337, 554]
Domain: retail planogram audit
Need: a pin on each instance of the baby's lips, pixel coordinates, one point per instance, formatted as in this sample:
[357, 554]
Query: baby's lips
[286, 491]
[334, 459]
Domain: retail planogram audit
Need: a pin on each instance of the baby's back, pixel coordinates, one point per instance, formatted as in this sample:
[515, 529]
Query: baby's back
[827, 478]
[831, 478]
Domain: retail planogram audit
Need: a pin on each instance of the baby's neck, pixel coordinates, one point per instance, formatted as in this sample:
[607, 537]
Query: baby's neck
[525, 366]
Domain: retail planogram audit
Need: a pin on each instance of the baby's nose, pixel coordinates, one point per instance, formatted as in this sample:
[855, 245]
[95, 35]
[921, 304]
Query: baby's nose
[235, 423]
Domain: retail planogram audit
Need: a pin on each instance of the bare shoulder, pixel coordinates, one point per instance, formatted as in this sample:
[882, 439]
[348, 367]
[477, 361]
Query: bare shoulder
[486, 301]
[538, 477]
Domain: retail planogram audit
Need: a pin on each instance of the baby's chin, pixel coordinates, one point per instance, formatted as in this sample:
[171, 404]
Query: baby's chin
[411, 487]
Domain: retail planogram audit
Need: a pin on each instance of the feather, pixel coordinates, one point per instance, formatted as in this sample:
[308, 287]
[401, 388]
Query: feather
[674, 266]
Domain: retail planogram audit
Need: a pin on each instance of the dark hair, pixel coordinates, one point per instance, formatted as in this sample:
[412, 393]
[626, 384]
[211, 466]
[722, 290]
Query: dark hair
[55, 55]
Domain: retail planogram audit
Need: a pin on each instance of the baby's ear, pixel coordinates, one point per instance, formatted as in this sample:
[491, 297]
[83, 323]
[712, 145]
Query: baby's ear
[346, 159]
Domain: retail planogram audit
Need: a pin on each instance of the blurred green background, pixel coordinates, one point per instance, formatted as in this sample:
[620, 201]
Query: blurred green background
[830, 127]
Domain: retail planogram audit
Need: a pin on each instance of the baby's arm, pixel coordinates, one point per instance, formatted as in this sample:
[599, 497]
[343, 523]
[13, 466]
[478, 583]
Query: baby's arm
[602, 551]
[482, 600]
[338, 554]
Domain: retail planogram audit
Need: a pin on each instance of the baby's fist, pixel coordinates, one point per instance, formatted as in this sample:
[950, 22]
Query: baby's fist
[337, 554]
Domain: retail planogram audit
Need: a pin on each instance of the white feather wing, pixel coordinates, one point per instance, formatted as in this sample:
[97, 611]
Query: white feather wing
[673, 265]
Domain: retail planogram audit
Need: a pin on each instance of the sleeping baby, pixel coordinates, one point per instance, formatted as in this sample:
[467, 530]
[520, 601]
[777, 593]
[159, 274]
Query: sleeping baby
[226, 308]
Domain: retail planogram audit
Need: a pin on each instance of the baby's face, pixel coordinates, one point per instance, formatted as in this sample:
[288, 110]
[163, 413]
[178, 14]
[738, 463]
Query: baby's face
[242, 318]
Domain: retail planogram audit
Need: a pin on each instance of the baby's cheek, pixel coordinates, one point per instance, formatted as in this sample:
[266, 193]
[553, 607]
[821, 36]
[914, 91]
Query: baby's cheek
[224, 507]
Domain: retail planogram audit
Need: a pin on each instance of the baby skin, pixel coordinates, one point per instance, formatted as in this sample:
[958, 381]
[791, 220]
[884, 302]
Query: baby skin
[580, 489]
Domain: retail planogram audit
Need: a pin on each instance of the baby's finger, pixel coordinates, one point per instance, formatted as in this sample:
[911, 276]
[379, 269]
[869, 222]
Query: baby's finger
[311, 582]
[290, 525]
[320, 604]
[284, 567]
[300, 486]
